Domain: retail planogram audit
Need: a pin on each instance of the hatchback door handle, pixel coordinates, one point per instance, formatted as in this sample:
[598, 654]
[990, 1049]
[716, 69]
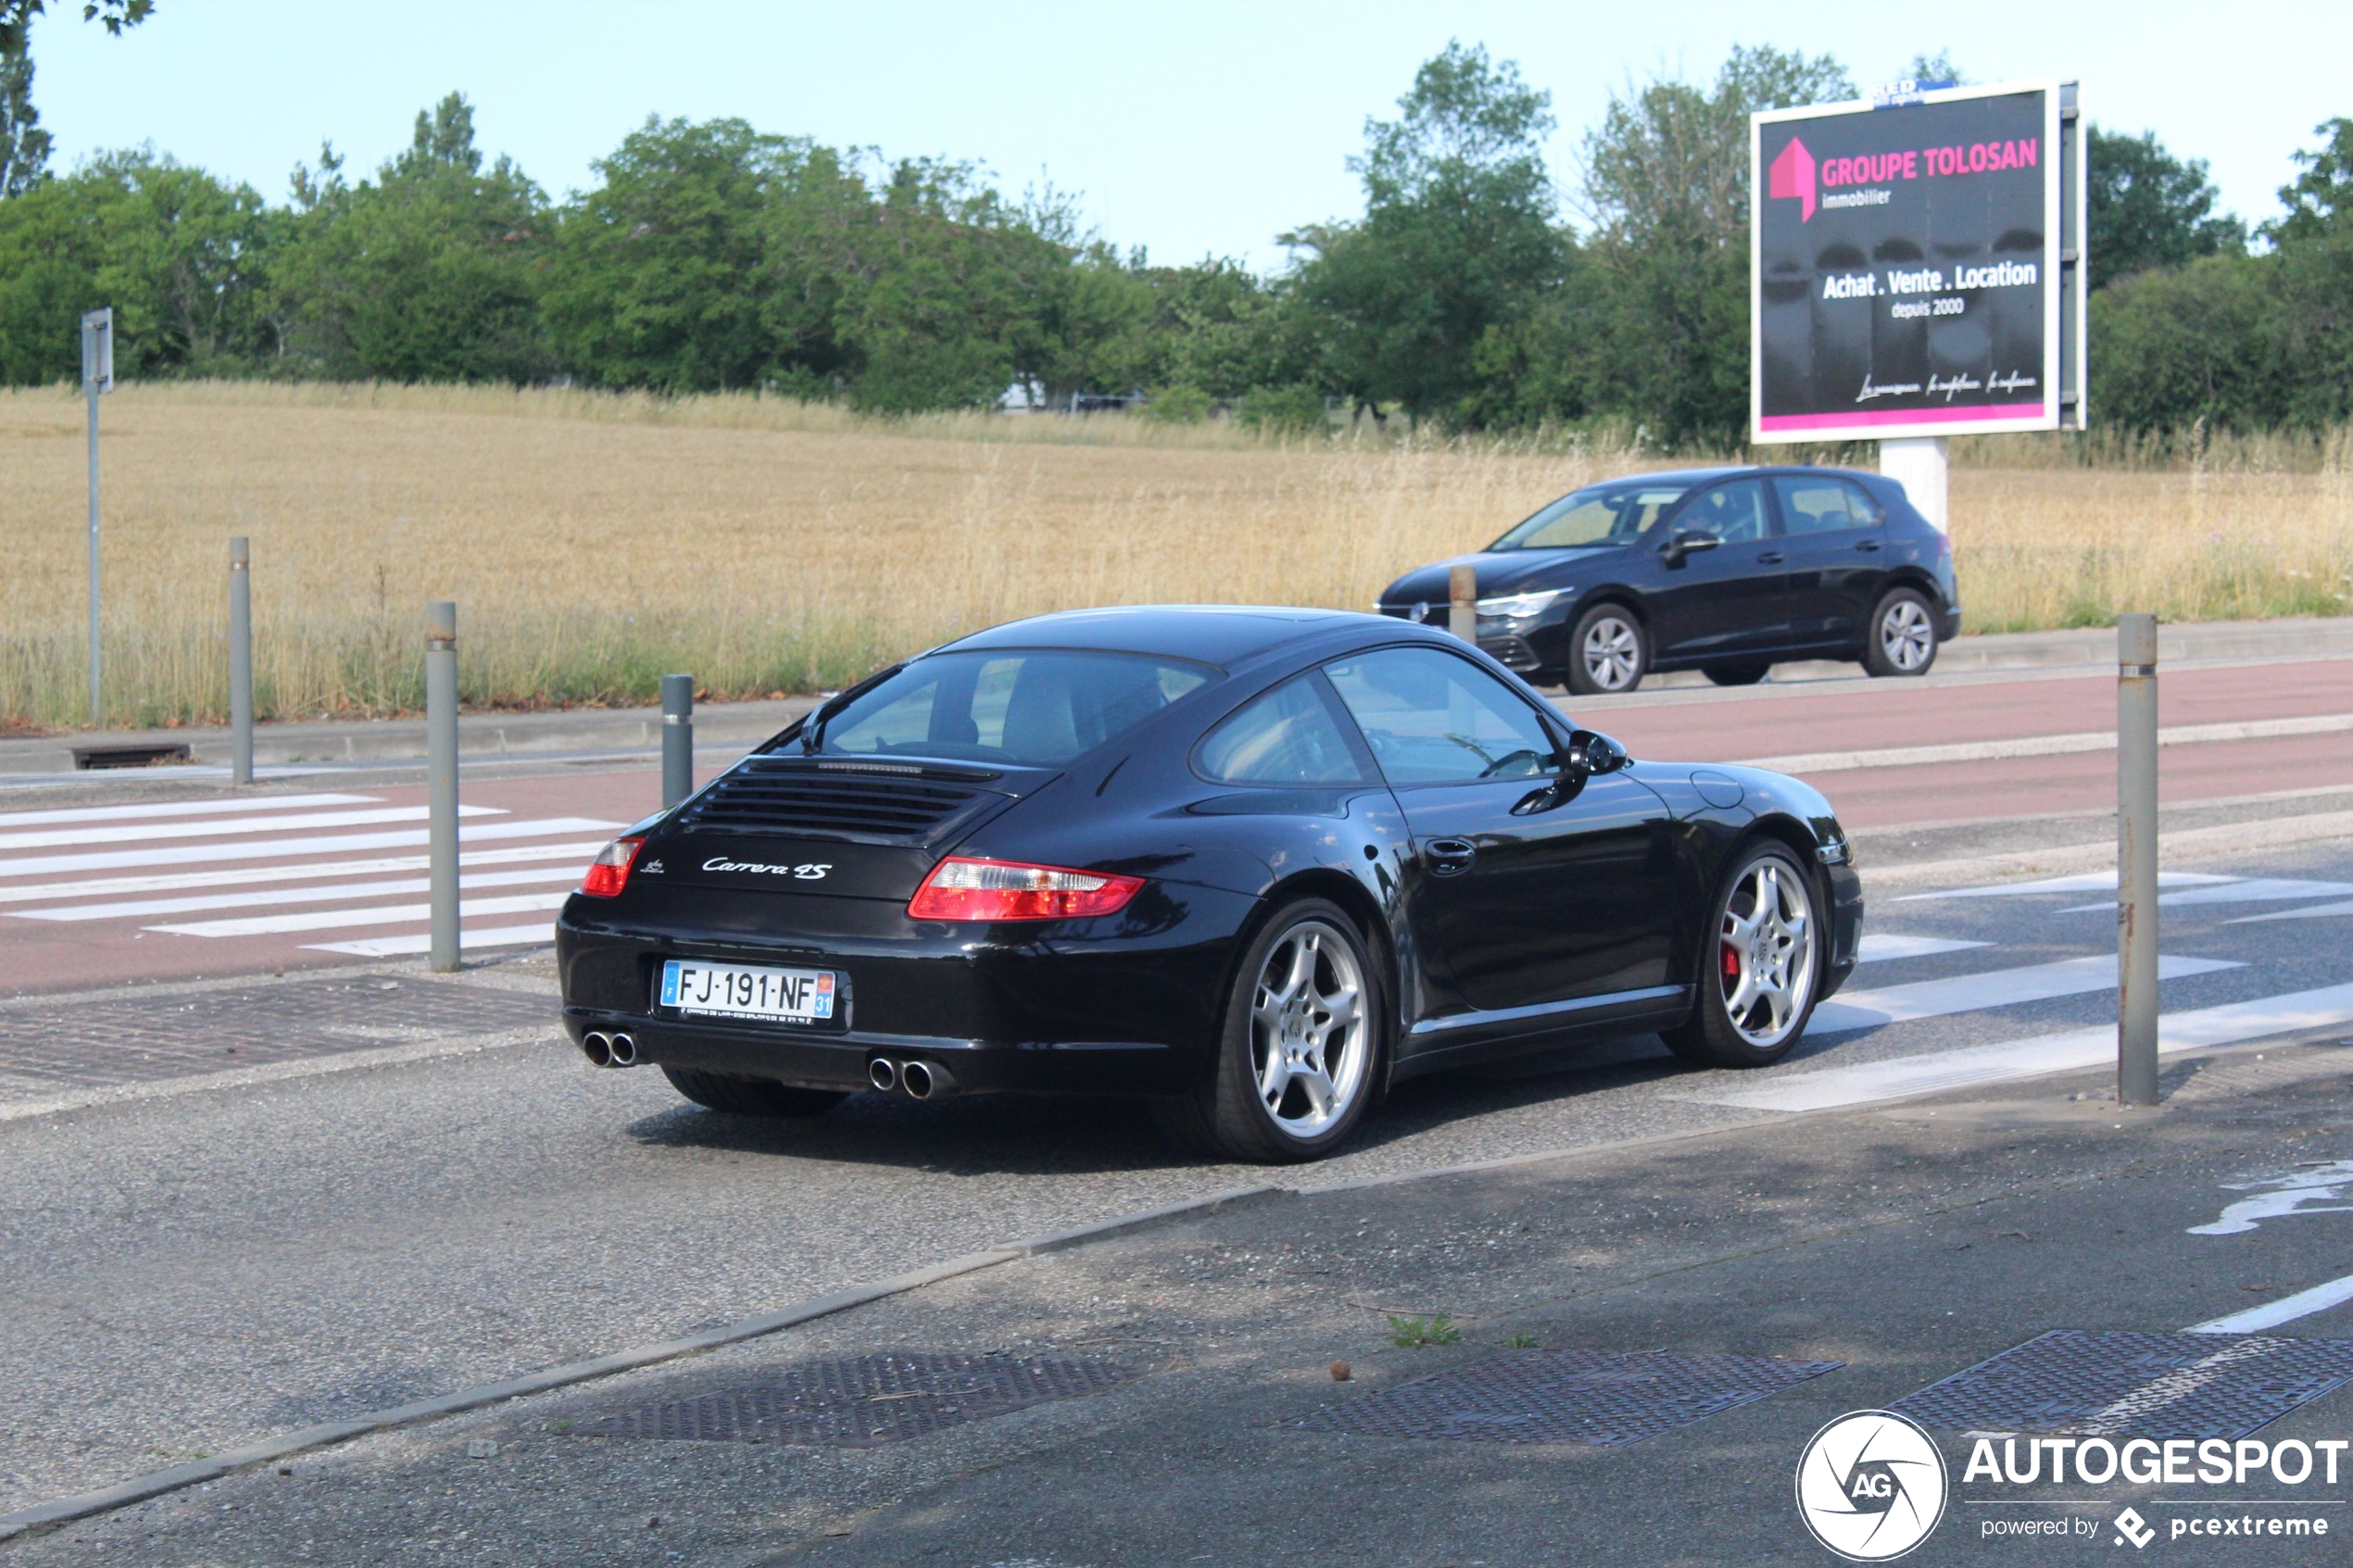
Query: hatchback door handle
[1866, 544]
[1451, 857]
[1770, 557]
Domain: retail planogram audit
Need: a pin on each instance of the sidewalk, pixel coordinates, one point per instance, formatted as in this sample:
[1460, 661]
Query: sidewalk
[1192, 1416]
[742, 724]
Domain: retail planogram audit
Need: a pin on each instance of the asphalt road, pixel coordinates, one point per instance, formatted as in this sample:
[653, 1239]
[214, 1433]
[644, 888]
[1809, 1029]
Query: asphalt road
[190, 1271]
[131, 879]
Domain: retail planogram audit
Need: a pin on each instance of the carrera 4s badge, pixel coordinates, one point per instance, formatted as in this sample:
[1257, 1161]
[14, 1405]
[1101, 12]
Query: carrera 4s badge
[809, 871]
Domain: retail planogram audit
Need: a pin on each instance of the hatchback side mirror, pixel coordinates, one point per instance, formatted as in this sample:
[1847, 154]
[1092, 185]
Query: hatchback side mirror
[1687, 542]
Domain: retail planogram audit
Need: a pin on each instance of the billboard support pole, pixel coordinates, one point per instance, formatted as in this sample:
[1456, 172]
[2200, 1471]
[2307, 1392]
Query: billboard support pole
[1917, 463]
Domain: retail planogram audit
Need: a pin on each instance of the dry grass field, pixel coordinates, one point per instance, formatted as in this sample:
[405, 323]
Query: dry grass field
[595, 541]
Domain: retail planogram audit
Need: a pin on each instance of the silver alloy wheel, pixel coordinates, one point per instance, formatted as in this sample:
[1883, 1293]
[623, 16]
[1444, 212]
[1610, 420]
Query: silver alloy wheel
[1308, 1032]
[1612, 654]
[1906, 635]
[1767, 965]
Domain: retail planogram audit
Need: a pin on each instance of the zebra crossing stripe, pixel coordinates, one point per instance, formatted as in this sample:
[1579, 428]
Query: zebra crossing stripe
[142, 908]
[149, 832]
[577, 850]
[1995, 988]
[384, 914]
[279, 848]
[401, 946]
[155, 809]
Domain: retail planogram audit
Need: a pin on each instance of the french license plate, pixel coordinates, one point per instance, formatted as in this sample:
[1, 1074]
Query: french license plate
[787, 995]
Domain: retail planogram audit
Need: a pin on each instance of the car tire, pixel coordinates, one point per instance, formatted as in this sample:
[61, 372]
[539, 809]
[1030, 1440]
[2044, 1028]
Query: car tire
[1282, 1033]
[1902, 639]
[1608, 652]
[1761, 970]
[1735, 674]
[750, 1097]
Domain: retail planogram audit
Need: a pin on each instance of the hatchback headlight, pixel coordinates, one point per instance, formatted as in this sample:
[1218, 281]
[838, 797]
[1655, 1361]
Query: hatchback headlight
[1520, 607]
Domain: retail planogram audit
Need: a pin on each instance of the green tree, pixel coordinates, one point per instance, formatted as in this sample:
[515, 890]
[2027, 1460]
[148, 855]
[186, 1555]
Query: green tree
[2148, 208]
[431, 271]
[24, 146]
[2319, 202]
[1666, 189]
[1458, 238]
[2170, 346]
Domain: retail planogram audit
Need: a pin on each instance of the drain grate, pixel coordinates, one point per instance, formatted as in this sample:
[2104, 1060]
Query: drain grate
[2161, 1385]
[1597, 1397]
[864, 1402]
[99, 1044]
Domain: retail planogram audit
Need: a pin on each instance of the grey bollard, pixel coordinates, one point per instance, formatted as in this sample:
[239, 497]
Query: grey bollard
[677, 739]
[1462, 611]
[2136, 860]
[441, 780]
[240, 661]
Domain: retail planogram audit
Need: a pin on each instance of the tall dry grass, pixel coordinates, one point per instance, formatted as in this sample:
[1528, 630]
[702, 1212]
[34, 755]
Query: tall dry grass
[594, 542]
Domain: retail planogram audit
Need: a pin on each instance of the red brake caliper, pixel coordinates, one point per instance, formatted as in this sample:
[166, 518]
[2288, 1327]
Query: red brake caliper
[1731, 965]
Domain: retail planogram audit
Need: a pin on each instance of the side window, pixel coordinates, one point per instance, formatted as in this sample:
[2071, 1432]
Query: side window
[1868, 512]
[1734, 512]
[1817, 506]
[1431, 718]
[1289, 736]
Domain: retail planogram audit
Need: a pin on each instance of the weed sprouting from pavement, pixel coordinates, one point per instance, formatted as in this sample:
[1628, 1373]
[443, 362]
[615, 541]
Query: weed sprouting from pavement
[1414, 1333]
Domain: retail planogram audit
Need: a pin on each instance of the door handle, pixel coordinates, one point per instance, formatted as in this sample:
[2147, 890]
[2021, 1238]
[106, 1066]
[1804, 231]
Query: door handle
[1866, 544]
[1770, 557]
[1451, 857]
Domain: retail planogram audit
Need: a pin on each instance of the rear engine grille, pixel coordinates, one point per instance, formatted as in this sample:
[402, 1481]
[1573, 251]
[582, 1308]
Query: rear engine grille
[772, 795]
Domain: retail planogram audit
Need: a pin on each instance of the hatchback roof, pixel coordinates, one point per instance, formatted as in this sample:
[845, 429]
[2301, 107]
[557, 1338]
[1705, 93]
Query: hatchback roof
[1217, 634]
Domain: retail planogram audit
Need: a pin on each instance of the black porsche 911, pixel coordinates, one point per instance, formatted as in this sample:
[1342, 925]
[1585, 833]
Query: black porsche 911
[1253, 865]
[1724, 570]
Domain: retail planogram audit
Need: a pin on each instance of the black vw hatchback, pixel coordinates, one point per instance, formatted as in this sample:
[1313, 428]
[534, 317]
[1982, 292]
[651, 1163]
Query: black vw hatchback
[1724, 570]
[1254, 865]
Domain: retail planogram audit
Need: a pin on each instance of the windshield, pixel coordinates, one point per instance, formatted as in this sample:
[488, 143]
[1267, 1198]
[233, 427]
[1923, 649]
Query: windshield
[1599, 514]
[1024, 707]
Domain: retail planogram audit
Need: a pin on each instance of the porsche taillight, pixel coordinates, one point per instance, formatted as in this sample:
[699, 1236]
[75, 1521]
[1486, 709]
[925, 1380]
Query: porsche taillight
[608, 872]
[969, 889]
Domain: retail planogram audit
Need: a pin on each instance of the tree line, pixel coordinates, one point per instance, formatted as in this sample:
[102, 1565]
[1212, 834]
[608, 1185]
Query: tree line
[1472, 292]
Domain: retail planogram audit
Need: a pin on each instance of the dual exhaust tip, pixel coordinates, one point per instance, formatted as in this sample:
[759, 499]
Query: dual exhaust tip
[917, 1080]
[614, 1048]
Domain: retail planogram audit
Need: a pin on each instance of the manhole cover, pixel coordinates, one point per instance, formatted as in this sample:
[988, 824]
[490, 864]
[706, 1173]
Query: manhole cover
[2161, 1385]
[1596, 1396]
[864, 1402]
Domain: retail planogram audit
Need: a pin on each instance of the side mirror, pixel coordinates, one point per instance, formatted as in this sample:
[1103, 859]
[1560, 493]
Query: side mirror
[1687, 542]
[1590, 753]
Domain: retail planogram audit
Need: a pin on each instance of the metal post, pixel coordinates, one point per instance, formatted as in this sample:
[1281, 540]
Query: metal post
[441, 779]
[1462, 615]
[677, 739]
[240, 661]
[2136, 860]
[90, 392]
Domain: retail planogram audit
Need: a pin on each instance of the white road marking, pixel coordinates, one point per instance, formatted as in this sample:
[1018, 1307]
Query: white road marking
[142, 833]
[139, 908]
[1928, 1071]
[2287, 1309]
[2278, 1197]
[279, 848]
[1885, 944]
[2046, 746]
[2089, 881]
[2318, 911]
[247, 876]
[2255, 890]
[2163, 1393]
[180, 809]
[397, 946]
[388, 914]
[1995, 988]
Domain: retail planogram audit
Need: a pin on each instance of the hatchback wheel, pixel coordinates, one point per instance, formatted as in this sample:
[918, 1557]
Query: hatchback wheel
[1762, 968]
[1608, 652]
[1300, 1050]
[1903, 639]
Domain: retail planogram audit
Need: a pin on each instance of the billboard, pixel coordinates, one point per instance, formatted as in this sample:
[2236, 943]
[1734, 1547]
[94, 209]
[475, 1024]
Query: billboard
[1916, 264]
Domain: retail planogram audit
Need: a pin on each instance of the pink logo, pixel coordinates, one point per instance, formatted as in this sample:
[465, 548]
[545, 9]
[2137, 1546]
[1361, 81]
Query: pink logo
[1793, 175]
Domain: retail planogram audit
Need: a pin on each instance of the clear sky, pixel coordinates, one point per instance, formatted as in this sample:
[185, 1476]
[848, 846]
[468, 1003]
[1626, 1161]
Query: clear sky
[1205, 126]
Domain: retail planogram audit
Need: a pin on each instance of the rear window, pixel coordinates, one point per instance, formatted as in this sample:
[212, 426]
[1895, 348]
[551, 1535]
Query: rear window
[1289, 736]
[1031, 708]
[1824, 506]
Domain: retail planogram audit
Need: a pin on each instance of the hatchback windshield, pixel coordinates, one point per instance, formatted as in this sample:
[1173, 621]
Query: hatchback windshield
[1031, 708]
[1599, 514]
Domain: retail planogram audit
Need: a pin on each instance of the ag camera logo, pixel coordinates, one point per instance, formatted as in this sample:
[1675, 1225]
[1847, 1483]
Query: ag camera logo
[1871, 1486]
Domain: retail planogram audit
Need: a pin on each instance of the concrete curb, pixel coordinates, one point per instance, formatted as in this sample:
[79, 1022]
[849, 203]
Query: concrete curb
[139, 1488]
